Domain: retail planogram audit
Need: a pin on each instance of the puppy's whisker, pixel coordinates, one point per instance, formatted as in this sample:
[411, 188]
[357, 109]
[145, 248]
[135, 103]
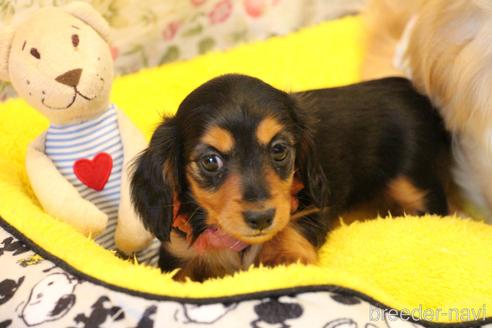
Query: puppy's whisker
[300, 214]
[201, 227]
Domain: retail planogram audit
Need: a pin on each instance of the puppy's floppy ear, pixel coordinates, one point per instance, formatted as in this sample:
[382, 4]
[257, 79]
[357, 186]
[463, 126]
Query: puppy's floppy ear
[6, 36]
[308, 166]
[86, 13]
[155, 180]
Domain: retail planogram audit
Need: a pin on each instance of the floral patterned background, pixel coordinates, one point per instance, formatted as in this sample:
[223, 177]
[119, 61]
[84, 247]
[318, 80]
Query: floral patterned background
[153, 32]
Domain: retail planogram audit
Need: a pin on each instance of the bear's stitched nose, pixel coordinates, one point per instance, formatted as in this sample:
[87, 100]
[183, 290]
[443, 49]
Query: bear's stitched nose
[70, 78]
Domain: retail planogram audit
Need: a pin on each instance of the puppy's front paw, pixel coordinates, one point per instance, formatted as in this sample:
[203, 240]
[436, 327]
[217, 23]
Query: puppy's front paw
[272, 260]
[274, 254]
[287, 247]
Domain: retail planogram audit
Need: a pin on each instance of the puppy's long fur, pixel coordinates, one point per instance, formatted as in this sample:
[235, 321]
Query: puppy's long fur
[449, 58]
[238, 149]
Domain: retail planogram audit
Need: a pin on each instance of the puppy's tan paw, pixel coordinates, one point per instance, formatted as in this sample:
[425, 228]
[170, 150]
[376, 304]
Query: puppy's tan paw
[287, 247]
[286, 259]
[274, 254]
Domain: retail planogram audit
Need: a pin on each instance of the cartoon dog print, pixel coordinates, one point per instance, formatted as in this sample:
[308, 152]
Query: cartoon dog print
[203, 314]
[8, 287]
[13, 246]
[6, 323]
[49, 300]
[102, 311]
[147, 319]
[343, 323]
[273, 312]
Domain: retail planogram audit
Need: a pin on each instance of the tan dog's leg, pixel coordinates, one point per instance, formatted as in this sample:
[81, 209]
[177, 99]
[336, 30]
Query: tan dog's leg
[384, 23]
[287, 247]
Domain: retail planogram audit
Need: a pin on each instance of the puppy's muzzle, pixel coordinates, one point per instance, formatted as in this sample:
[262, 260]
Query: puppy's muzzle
[259, 220]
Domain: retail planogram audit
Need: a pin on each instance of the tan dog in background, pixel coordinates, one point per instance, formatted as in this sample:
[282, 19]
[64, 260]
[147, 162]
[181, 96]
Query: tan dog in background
[445, 47]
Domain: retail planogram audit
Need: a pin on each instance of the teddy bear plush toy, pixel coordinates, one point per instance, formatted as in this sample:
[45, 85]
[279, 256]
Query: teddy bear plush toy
[59, 61]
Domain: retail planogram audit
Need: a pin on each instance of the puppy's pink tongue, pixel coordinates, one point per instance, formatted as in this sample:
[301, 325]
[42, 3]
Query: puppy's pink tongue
[214, 237]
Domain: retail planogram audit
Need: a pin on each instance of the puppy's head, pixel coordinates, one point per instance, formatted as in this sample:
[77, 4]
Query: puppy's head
[234, 149]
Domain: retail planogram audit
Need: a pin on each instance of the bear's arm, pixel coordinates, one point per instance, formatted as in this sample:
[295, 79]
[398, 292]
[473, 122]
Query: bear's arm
[130, 235]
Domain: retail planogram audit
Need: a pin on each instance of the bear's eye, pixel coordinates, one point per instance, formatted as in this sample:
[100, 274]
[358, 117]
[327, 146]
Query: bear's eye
[75, 40]
[35, 53]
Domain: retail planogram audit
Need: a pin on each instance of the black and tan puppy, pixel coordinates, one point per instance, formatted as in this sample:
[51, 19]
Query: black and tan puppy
[221, 180]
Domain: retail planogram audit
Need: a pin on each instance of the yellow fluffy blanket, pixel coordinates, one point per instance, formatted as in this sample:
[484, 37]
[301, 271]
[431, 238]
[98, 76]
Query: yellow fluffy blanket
[402, 263]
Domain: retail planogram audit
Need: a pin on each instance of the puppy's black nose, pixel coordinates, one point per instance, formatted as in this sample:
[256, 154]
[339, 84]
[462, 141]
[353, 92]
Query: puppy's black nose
[70, 78]
[259, 219]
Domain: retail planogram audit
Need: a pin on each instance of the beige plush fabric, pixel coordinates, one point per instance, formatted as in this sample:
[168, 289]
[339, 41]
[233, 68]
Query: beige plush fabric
[58, 61]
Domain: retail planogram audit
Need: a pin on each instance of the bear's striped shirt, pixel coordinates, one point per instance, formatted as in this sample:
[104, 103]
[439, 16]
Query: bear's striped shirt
[65, 144]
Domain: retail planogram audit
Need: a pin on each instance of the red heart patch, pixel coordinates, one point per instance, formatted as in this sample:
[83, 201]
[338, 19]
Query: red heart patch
[94, 173]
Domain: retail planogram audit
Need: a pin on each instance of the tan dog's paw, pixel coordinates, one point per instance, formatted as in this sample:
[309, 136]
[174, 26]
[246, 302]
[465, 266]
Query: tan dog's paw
[273, 258]
[287, 247]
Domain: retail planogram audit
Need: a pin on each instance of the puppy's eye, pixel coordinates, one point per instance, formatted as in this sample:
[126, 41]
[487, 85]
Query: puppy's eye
[35, 53]
[75, 40]
[279, 152]
[211, 163]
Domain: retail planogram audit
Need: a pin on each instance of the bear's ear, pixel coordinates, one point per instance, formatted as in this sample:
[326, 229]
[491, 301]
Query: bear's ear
[86, 13]
[6, 36]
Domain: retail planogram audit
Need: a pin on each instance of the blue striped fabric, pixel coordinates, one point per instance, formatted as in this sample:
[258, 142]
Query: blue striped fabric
[65, 144]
